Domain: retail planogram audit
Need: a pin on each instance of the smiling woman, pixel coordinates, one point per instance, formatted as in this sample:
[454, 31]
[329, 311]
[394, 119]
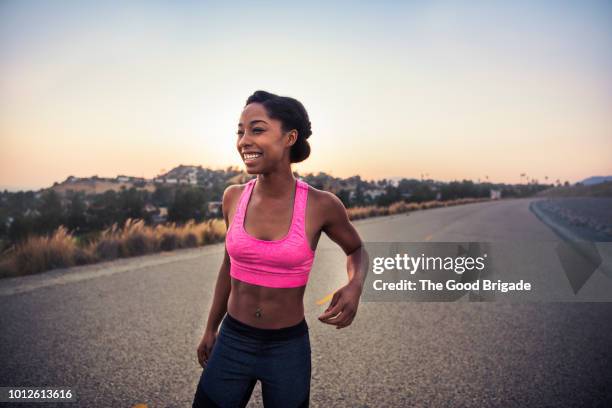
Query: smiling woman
[259, 294]
[287, 115]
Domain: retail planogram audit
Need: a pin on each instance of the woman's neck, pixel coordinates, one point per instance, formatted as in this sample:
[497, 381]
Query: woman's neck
[275, 185]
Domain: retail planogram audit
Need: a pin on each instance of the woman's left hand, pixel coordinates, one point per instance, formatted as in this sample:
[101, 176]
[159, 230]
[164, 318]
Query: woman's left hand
[343, 306]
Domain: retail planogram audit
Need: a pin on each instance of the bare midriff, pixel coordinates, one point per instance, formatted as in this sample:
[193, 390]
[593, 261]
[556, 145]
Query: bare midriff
[266, 308]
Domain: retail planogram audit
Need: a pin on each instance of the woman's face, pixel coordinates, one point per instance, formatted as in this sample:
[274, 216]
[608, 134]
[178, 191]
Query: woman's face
[261, 142]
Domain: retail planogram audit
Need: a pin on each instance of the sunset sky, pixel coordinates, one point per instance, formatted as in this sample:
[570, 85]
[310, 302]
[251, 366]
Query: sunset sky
[452, 89]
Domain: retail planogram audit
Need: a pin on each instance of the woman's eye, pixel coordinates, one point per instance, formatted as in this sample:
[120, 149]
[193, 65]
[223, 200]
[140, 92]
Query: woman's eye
[256, 130]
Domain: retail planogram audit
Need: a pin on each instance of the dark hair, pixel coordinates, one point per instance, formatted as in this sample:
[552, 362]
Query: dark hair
[292, 115]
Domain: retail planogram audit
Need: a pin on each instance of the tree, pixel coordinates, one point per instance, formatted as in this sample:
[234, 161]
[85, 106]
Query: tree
[104, 210]
[189, 203]
[359, 198]
[163, 195]
[77, 219]
[343, 195]
[51, 212]
[20, 228]
[131, 204]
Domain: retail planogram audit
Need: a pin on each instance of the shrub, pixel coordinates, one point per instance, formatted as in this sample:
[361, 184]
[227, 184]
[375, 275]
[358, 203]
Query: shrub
[40, 253]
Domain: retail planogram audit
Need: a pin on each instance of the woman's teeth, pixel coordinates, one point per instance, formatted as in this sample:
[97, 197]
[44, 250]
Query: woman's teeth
[251, 156]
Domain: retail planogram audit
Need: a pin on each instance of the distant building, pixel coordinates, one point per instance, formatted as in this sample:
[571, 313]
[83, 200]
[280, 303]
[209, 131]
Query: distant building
[160, 216]
[193, 177]
[150, 208]
[214, 208]
[374, 193]
[31, 213]
[495, 194]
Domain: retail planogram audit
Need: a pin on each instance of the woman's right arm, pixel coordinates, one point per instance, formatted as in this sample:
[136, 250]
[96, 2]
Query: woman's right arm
[222, 292]
[218, 307]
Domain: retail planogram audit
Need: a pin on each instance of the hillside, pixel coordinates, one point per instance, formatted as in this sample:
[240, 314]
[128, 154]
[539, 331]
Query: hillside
[595, 190]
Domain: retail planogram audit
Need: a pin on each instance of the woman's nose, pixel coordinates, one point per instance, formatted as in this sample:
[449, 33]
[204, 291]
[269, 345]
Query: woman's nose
[244, 140]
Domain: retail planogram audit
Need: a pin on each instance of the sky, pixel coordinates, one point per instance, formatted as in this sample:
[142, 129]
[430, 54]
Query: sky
[454, 90]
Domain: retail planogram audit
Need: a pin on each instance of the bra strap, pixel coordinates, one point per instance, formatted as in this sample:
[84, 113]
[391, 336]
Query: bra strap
[244, 197]
[300, 207]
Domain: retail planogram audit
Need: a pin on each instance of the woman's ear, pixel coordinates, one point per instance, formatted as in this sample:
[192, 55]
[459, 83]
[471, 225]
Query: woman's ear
[292, 136]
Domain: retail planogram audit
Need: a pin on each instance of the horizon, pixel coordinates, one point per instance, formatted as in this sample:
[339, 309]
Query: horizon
[440, 89]
[14, 189]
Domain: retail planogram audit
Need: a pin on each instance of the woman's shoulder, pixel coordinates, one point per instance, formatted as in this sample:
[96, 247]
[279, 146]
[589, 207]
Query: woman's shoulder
[325, 207]
[324, 200]
[233, 190]
[231, 195]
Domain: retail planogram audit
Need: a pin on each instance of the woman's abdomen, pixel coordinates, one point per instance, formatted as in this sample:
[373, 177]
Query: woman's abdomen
[279, 307]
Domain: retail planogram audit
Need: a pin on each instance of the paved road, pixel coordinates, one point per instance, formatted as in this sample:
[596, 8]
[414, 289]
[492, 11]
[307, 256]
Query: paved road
[125, 332]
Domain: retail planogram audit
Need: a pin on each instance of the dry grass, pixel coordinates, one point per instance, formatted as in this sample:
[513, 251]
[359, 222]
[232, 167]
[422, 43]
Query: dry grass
[61, 249]
[41, 253]
[356, 213]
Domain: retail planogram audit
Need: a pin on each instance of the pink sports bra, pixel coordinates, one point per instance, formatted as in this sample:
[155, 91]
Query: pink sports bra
[283, 263]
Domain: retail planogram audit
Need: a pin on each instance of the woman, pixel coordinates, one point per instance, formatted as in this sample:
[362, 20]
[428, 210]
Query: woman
[274, 223]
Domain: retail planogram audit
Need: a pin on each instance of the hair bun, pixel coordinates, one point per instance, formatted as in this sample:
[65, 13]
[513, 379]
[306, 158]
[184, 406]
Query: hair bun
[308, 131]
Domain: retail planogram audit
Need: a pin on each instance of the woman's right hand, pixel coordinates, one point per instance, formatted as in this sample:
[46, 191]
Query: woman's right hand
[205, 347]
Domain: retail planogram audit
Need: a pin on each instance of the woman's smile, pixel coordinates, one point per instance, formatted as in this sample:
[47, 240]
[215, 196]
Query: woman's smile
[251, 157]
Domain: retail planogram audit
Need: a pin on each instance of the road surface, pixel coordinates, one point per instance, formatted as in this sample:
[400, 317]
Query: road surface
[125, 332]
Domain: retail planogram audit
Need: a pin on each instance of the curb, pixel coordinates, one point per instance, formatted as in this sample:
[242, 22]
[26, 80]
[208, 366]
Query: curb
[570, 237]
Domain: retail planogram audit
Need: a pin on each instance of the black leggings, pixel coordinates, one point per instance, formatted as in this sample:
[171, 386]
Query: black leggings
[243, 354]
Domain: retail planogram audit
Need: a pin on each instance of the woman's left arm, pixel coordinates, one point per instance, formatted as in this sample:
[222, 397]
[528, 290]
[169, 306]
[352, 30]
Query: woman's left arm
[345, 301]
